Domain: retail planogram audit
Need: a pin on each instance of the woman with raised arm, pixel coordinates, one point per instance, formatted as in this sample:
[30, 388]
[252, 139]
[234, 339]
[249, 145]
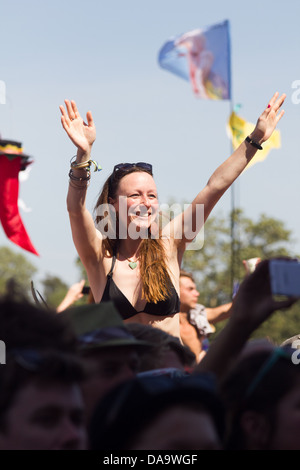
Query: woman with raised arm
[128, 257]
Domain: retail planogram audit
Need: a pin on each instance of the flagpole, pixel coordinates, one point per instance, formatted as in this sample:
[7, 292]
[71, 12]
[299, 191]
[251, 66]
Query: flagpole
[232, 221]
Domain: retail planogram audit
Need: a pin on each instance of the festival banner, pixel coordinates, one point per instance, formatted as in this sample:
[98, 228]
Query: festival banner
[202, 57]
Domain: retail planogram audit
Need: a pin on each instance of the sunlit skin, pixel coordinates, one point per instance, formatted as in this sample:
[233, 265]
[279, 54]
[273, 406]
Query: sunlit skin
[189, 294]
[139, 194]
[188, 299]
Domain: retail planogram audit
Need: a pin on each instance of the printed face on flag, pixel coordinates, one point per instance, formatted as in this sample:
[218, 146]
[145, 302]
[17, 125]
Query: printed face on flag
[203, 58]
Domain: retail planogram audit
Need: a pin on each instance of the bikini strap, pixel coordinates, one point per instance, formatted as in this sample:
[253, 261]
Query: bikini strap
[112, 265]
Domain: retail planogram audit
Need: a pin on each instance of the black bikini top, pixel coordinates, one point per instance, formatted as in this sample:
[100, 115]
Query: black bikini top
[162, 308]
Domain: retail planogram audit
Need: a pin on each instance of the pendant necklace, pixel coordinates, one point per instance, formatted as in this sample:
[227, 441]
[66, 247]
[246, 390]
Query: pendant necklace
[132, 264]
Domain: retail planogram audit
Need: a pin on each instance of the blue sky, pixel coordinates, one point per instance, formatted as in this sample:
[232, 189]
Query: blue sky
[104, 55]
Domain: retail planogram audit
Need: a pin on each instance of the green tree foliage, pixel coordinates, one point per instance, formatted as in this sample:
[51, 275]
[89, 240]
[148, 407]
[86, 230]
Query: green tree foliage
[54, 290]
[17, 267]
[220, 261]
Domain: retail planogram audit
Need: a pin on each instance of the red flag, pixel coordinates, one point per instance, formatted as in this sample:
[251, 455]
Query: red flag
[12, 161]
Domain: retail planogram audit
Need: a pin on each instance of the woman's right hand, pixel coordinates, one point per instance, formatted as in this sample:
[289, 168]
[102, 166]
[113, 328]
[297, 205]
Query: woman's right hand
[81, 134]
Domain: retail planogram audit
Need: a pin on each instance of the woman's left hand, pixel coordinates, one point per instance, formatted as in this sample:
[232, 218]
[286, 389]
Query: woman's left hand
[268, 120]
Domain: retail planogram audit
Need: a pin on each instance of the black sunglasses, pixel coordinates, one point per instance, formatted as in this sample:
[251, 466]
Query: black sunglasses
[128, 166]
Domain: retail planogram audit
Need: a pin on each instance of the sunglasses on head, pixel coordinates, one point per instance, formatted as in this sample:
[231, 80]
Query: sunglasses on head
[128, 166]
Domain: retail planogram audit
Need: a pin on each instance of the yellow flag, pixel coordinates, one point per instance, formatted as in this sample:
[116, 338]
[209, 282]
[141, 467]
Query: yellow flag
[238, 130]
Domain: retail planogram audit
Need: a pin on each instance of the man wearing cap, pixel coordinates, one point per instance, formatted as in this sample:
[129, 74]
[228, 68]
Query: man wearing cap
[109, 351]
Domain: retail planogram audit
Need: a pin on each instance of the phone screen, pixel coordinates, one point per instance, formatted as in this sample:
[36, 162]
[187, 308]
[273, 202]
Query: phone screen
[86, 290]
[285, 277]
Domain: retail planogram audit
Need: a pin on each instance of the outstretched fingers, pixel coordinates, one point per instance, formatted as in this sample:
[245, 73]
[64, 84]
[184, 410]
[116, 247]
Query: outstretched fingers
[74, 109]
[279, 116]
[275, 102]
[272, 101]
[70, 110]
[65, 114]
[90, 120]
[64, 118]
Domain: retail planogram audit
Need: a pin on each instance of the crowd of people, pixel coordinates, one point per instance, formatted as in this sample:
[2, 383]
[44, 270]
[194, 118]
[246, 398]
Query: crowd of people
[130, 369]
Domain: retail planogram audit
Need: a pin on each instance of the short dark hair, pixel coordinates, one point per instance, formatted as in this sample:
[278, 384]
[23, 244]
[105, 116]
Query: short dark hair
[140, 400]
[184, 273]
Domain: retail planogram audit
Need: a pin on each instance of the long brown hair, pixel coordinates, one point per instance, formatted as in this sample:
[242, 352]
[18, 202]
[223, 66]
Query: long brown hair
[156, 282]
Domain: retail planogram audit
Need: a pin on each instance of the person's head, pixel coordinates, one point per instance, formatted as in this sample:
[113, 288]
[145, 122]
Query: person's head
[167, 350]
[41, 405]
[159, 413]
[188, 291]
[127, 208]
[105, 368]
[110, 353]
[261, 395]
[25, 325]
[131, 194]
[293, 342]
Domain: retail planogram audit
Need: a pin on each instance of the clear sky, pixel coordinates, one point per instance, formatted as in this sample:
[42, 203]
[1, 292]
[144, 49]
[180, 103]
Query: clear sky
[103, 54]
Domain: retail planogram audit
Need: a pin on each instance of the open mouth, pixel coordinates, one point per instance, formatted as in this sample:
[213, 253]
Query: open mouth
[142, 216]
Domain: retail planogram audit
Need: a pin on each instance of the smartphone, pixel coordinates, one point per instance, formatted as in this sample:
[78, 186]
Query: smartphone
[285, 277]
[85, 290]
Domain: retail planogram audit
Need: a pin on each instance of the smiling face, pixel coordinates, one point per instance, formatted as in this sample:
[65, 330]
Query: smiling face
[136, 203]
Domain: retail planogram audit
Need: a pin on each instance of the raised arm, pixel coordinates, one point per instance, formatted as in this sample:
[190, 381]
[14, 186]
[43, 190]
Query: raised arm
[252, 305]
[220, 313]
[85, 236]
[227, 172]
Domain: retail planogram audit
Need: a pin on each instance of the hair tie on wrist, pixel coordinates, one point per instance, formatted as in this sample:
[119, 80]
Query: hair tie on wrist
[253, 143]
